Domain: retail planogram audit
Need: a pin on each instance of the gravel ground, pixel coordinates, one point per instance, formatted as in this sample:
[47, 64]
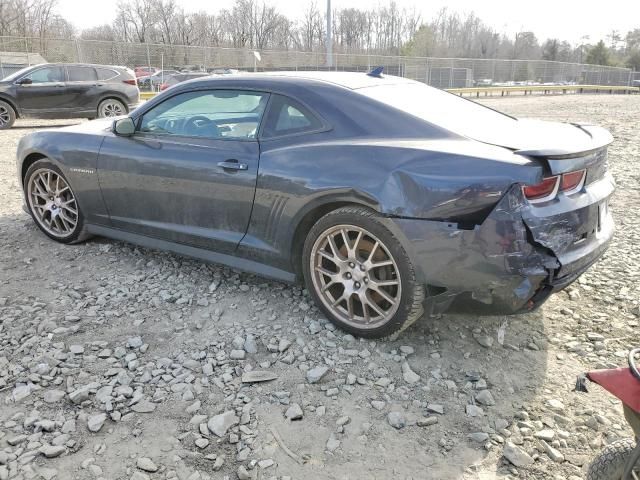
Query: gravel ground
[118, 362]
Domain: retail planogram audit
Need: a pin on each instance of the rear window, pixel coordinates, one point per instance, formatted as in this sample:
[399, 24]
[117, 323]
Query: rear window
[106, 73]
[286, 117]
[442, 109]
[81, 74]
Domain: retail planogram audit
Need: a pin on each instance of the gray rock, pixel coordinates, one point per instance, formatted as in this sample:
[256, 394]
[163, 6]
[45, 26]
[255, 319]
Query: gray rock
[95, 422]
[332, 444]
[222, 422]
[547, 435]
[243, 473]
[20, 393]
[409, 375]
[406, 349]
[255, 376]
[294, 412]
[427, 422]
[146, 464]
[250, 345]
[134, 342]
[479, 437]
[53, 396]
[51, 451]
[435, 408]
[76, 349]
[553, 454]
[396, 420]
[474, 411]
[314, 375]
[516, 455]
[237, 354]
[485, 340]
[144, 406]
[485, 397]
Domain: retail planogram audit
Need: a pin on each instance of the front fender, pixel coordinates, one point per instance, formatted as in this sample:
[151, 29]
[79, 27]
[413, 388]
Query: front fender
[76, 155]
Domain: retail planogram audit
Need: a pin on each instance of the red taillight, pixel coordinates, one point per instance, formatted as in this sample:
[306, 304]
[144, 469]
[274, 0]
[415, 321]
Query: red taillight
[544, 190]
[130, 82]
[572, 180]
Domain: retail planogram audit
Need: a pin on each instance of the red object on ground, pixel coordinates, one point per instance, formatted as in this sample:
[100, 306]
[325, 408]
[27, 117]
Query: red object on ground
[621, 383]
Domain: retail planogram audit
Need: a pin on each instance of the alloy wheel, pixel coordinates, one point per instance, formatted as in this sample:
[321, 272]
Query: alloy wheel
[52, 202]
[5, 116]
[112, 109]
[355, 276]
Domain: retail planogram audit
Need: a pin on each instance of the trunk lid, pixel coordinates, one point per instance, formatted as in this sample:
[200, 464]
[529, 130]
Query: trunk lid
[565, 147]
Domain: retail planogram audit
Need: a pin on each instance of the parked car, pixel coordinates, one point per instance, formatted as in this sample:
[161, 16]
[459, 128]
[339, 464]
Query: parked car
[386, 196]
[155, 80]
[59, 90]
[144, 71]
[172, 80]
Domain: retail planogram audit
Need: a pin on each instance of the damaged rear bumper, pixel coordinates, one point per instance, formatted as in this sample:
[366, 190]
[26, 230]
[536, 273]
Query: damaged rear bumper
[516, 258]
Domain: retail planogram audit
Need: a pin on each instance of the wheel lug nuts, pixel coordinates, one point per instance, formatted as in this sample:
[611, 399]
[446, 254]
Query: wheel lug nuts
[362, 268]
[351, 264]
[357, 285]
[348, 275]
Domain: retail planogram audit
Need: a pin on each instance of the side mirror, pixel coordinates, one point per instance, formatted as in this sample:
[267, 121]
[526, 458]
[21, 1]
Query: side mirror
[124, 127]
[25, 81]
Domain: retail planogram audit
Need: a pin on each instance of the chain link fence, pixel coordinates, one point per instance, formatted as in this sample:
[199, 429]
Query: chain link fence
[439, 72]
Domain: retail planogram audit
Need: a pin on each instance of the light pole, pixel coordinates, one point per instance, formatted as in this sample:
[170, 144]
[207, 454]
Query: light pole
[329, 45]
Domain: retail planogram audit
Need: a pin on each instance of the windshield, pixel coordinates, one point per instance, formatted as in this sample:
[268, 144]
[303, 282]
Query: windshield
[15, 75]
[443, 109]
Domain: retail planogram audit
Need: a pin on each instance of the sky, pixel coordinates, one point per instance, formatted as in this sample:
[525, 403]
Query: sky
[565, 19]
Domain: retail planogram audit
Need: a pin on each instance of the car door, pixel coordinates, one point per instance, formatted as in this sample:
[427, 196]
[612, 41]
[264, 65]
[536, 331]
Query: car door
[82, 88]
[188, 173]
[42, 90]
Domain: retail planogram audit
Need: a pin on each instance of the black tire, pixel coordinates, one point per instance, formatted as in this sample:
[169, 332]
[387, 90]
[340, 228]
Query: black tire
[111, 107]
[7, 115]
[412, 293]
[79, 233]
[610, 462]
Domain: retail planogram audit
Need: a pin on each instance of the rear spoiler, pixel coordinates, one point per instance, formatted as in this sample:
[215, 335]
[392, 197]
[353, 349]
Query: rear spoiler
[600, 138]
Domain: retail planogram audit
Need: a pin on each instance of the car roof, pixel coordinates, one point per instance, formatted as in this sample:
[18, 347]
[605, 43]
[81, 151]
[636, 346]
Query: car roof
[349, 80]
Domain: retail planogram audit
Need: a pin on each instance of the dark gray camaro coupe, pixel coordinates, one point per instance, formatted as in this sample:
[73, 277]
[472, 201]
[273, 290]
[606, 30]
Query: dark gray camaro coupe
[388, 197]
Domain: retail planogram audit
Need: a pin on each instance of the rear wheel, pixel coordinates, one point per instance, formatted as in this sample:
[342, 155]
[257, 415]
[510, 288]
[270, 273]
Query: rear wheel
[53, 204]
[611, 461]
[7, 115]
[359, 274]
[111, 108]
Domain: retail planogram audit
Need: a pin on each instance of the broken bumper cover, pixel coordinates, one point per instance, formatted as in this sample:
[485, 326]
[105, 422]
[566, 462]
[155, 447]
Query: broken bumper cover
[516, 258]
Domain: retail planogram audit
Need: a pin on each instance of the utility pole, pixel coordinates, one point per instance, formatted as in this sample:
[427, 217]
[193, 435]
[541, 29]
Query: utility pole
[329, 40]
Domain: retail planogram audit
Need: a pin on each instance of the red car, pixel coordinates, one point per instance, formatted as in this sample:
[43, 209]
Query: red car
[144, 71]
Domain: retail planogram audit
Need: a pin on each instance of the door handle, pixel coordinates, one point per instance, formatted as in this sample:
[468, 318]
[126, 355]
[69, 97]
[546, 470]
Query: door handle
[233, 165]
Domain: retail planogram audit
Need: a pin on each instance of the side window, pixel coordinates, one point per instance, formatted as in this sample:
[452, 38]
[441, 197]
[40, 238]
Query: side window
[106, 73]
[81, 74]
[46, 75]
[217, 114]
[286, 116]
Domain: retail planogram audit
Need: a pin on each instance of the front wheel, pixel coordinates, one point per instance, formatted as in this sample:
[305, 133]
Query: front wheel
[359, 274]
[111, 108]
[612, 460]
[53, 204]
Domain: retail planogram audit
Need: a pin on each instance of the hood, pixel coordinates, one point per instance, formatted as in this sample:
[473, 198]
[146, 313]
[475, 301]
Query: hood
[542, 138]
[99, 125]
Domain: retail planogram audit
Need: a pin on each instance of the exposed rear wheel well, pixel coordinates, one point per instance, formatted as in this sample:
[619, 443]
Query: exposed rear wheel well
[28, 161]
[303, 227]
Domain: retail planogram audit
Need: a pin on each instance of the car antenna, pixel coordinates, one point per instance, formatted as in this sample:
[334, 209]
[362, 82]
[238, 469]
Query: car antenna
[376, 72]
